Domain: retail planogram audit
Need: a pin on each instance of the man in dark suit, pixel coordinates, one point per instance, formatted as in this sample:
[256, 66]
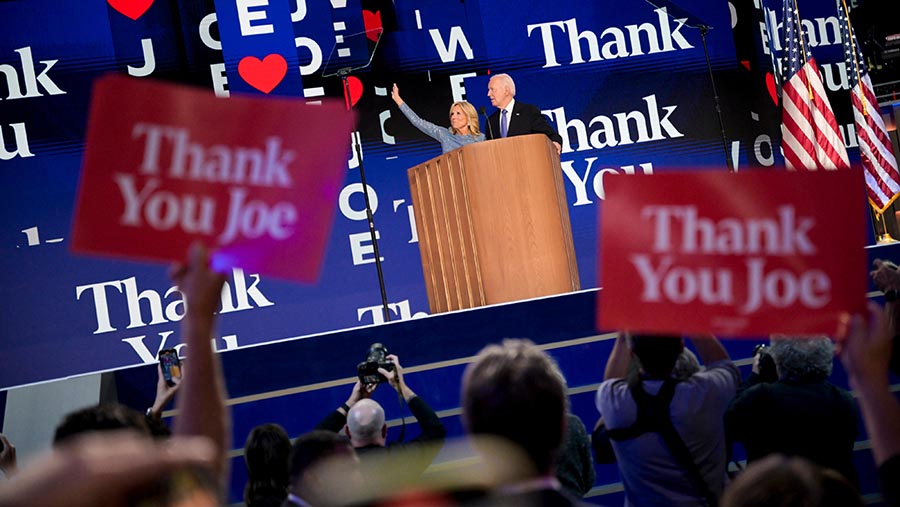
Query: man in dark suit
[515, 118]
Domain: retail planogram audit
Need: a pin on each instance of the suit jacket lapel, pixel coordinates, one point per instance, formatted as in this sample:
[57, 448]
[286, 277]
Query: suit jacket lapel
[516, 120]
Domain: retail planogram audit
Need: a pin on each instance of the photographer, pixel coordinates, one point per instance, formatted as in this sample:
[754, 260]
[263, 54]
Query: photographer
[667, 432]
[363, 421]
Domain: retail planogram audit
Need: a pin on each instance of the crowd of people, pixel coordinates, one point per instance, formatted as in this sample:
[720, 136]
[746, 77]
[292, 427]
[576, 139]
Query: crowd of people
[668, 422]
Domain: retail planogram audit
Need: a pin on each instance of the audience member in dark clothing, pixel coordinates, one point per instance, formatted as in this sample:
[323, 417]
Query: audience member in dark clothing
[363, 421]
[780, 481]
[574, 468]
[309, 484]
[787, 416]
[266, 456]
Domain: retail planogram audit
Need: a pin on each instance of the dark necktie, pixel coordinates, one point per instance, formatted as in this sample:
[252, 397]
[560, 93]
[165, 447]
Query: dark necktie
[503, 126]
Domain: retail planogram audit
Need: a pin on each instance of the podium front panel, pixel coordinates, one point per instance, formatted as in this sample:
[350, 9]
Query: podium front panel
[493, 224]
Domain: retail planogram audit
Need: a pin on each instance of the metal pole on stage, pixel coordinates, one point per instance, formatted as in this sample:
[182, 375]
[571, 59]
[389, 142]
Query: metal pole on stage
[360, 40]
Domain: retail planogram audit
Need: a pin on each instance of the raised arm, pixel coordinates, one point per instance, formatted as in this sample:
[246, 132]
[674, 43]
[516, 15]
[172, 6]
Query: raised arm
[429, 422]
[201, 399]
[619, 359]
[709, 349]
[395, 94]
[395, 378]
[336, 419]
[865, 354]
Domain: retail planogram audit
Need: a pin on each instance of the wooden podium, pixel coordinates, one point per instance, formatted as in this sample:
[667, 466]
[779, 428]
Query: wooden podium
[493, 224]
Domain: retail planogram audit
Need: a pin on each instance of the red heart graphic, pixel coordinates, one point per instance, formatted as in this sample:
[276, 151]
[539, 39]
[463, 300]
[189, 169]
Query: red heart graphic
[372, 21]
[131, 8]
[770, 85]
[265, 74]
[356, 91]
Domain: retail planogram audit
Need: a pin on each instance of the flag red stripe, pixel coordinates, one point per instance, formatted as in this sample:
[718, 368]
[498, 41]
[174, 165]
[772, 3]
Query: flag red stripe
[877, 157]
[822, 102]
[799, 97]
[800, 134]
[872, 109]
[881, 136]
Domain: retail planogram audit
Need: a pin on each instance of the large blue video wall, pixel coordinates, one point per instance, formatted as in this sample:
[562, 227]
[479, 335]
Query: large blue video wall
[625, 83]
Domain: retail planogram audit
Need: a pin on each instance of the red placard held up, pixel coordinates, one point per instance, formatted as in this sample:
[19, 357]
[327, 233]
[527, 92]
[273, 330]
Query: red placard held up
[745, 254]
[255, 179]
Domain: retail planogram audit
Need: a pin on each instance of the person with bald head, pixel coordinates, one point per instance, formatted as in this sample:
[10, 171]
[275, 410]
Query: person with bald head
[362, 419]
[365, 425]
[514, 118]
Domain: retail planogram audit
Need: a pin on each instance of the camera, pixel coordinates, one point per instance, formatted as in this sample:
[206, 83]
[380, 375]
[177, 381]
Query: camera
[376, 358]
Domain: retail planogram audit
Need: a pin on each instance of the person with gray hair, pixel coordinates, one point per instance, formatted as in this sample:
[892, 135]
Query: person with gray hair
[787, 416]
[800, 359]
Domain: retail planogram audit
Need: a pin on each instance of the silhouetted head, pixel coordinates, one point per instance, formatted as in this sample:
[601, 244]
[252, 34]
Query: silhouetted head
[657, 353]
[104, 417]
[266, 455]
[515, 390]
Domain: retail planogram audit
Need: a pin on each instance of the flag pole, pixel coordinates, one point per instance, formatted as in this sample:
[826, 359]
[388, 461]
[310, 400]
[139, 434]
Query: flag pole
[802, 38]
[885, 237]
[854, 50]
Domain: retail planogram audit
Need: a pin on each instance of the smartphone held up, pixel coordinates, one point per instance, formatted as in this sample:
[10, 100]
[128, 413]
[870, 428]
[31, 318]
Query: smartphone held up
[170, 365]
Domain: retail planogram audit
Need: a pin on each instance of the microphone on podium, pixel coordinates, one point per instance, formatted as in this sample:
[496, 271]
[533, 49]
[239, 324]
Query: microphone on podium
[488, 120]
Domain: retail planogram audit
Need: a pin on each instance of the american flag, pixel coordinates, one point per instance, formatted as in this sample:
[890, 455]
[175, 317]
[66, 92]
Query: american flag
[882, 178]
[810, 137]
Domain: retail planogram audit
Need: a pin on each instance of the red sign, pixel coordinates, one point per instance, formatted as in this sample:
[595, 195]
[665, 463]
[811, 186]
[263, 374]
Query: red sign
[744, 254]
[255, 179]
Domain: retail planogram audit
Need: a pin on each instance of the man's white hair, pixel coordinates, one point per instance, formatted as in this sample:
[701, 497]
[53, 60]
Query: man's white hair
[802, 357]
[506, 80]
[365, 421]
